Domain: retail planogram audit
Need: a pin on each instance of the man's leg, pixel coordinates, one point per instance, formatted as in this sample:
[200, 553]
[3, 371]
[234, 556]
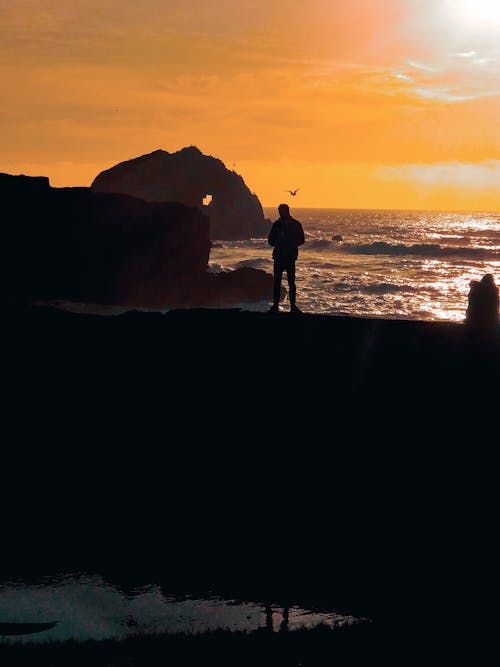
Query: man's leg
[278, 273]
[292, 290]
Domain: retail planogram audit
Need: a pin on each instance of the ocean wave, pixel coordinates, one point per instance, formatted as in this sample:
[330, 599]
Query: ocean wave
[375, 289]
[255, 243]
[214, 267]
[323, 244]
[418, 249]
[328, 265]
[254, 263]
[386, 288]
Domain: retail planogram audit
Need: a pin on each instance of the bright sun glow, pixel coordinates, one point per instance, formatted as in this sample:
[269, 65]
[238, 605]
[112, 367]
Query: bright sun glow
[477, 11]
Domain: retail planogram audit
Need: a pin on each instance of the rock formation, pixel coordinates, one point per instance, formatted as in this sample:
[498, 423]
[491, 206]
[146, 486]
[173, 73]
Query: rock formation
[188, 176]
[76, 244]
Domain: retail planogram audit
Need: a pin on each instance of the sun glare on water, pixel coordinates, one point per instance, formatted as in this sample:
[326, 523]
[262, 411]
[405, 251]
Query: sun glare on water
[477, 11]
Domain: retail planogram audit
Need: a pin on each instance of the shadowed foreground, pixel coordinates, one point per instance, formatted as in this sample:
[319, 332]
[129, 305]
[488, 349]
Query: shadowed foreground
[320, 646]
[339, 462]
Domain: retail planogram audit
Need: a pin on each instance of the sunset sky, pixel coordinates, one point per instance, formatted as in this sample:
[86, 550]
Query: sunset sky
[360, 103]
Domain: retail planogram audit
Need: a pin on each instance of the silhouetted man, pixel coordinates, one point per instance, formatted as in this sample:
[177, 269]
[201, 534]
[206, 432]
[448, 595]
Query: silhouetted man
[286, 235]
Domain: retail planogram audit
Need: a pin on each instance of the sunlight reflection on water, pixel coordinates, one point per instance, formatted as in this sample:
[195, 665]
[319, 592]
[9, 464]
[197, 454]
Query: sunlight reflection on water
[414, 265]
[390, 264]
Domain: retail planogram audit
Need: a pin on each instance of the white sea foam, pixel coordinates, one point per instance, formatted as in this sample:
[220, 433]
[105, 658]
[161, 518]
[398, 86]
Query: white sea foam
[215, 267]
[421, 249]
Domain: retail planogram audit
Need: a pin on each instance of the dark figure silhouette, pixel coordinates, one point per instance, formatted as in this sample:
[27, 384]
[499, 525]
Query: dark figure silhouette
[286, 236]
[482, 311]
[269, 617]
[286, 619]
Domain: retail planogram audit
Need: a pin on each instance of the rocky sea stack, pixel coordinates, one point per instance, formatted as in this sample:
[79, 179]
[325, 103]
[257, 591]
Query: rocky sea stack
[188, 176]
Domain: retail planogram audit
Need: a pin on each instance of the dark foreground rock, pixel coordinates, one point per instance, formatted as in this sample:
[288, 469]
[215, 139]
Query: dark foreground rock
[329, 461]
[320, 646]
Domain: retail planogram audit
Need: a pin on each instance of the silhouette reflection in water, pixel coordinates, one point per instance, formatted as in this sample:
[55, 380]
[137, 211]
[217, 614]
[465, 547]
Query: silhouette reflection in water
[285, 621]
[269, 617]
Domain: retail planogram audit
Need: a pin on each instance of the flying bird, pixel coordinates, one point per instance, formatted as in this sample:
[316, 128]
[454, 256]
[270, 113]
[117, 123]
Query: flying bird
[293, 192]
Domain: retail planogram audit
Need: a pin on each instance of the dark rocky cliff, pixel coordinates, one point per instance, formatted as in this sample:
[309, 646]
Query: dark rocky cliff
[73, 243]
[188, 176]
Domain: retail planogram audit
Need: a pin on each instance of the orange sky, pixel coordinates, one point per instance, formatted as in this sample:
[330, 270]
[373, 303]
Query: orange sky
[360, 103]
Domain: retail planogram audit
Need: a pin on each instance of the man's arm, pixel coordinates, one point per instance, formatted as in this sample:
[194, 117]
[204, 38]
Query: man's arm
[300, 234]
[273, 235]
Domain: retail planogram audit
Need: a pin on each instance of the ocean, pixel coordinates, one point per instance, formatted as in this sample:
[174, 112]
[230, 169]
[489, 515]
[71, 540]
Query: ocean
[414, 265]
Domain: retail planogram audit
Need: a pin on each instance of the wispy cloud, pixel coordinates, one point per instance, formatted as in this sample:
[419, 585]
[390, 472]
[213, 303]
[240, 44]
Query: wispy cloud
[483, 175]
[403, 77]
[441, 95]
[423, 67]
[467, 54]
[453, 78]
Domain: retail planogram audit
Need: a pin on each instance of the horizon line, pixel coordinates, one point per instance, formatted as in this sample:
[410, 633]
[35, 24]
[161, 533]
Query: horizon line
[378, 208]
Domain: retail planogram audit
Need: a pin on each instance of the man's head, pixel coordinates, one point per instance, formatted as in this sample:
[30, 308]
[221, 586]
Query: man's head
[284, 210]
[488, 279]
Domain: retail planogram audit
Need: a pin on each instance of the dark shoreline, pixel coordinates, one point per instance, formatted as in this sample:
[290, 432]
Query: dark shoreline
[318, 646]
[337, 461]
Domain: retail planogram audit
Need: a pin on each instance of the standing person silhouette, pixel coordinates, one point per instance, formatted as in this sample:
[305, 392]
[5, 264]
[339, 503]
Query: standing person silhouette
[286, 236]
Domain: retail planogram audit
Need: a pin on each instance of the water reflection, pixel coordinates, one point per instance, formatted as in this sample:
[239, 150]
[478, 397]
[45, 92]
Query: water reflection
[89, 607]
